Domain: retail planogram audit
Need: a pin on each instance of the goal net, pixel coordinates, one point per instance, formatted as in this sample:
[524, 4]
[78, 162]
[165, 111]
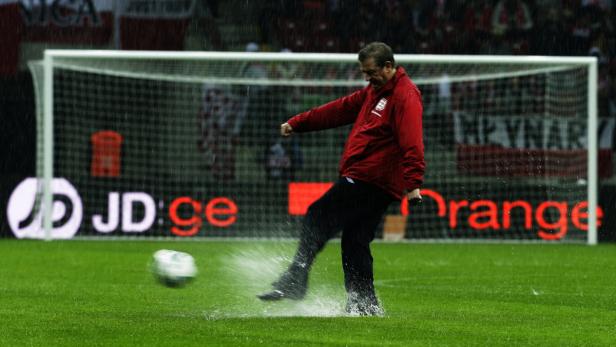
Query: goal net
[186, 144]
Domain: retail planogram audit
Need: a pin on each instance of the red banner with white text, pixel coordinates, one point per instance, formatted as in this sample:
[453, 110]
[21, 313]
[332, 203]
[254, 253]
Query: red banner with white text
[530, 146]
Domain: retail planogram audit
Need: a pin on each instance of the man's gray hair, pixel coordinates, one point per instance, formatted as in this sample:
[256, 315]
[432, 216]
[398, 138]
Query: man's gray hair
[379, 51]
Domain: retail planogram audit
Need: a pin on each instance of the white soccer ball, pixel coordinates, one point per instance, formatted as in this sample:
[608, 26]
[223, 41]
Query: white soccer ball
[173, 268]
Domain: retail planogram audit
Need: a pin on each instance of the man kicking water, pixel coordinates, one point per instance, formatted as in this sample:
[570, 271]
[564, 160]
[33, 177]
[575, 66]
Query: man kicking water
[383, 161]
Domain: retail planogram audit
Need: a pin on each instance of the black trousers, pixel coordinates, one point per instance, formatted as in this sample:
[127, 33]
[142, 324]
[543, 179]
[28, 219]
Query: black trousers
[355, 208]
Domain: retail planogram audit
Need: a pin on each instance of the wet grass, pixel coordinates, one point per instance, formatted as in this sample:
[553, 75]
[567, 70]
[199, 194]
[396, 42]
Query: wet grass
[99, 293]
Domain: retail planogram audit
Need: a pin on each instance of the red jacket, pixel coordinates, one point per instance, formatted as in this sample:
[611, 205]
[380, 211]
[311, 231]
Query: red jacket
[385, 146]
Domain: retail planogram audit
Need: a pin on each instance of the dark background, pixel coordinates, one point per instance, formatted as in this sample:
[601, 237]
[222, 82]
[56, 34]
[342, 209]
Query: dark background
[544, 27]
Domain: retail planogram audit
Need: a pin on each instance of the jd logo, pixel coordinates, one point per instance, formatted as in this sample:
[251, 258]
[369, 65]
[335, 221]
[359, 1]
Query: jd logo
[25, 209]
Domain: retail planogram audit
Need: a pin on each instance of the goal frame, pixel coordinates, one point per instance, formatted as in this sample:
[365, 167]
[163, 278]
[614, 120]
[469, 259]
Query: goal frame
[591, 64]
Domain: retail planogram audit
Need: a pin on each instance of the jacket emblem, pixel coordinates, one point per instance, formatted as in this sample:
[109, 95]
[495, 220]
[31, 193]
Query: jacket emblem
[381, 105]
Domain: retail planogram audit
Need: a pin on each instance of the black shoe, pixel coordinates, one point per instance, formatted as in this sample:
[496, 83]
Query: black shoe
[274, 295]
[291, 285]
[363, 306]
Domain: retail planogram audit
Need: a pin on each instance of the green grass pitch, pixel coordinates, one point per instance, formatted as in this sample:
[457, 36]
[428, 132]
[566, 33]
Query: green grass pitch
[100, 293]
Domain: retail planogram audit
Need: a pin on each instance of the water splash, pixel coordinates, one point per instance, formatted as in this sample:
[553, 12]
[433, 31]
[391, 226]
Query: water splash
[252, 272]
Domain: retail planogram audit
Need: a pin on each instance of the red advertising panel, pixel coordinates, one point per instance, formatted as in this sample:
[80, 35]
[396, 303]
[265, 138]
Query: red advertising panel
[12, 30]
[154, 25]
[531, 146]
[550, 219]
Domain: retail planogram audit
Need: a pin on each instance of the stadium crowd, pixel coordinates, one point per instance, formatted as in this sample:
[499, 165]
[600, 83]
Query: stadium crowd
[512, 27]
[541, 27]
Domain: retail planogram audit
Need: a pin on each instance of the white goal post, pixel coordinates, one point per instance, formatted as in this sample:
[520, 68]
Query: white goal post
[468, 106]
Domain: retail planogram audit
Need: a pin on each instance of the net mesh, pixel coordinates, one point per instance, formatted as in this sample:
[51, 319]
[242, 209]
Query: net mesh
[181, 147]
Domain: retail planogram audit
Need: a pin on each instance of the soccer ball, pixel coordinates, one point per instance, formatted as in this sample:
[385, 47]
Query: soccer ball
[173, 268]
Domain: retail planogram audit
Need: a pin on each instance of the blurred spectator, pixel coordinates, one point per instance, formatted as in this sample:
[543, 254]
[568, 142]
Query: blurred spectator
[499, 45]
[278, 162]
[206, 13]
[423, 14]
[269, 19]
[583, 31]
[551, 36]
[282, 158]
[396, 26]
[212, 5]
[220, 119]
[604, 91]
[511, 16]
[255, 96]
[477, 24]
[601, 4]
[254, 71]
[598, 49]
[444, 94]
[612, 95]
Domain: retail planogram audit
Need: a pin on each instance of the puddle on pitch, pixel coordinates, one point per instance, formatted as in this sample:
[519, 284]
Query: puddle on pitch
[252, 271]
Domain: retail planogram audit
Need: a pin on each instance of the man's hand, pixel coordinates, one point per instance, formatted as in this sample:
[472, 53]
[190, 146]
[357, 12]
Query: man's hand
[286, 129]
[414, 197]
